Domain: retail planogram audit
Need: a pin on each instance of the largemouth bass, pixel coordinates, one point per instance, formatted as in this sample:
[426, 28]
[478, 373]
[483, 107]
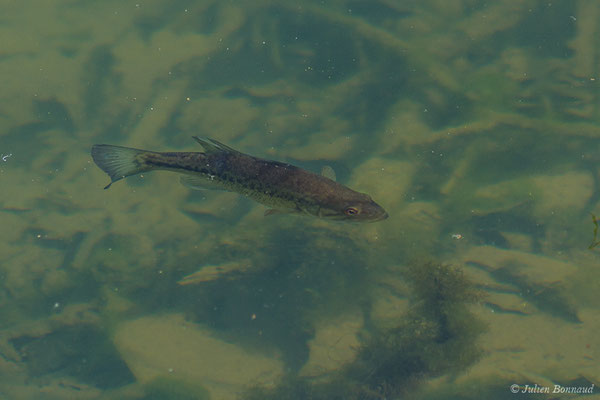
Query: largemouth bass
[281, 186]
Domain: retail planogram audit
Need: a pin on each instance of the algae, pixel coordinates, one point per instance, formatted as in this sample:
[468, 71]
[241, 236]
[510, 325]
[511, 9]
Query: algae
[438, 335]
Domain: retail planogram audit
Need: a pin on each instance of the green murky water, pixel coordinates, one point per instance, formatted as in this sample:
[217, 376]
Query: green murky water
[475, 124]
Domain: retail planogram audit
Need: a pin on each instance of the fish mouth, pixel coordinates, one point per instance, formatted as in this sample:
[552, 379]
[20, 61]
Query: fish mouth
[381, 217]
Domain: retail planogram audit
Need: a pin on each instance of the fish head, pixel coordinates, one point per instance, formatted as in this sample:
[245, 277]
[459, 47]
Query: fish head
[357, 209]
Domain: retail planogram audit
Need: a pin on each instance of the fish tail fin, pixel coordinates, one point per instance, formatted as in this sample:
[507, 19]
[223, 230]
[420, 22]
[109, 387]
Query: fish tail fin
[119, 162]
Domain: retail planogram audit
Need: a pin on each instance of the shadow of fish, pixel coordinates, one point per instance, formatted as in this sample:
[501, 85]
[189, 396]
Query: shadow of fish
[281, 186]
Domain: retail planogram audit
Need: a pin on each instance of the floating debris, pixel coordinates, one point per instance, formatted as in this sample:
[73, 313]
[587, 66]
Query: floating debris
[213, 272]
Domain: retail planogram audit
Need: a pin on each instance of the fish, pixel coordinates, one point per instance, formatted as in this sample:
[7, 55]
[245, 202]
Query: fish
[283, 187]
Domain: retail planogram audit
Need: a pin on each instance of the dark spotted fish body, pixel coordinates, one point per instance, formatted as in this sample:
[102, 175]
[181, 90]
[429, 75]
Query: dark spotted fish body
[281, 186]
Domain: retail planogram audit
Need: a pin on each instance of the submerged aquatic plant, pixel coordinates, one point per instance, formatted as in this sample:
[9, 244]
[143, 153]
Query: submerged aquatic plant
[436, 336]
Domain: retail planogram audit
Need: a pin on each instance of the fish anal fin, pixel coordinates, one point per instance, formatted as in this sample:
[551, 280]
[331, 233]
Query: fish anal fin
[200, 183]
[275, 211]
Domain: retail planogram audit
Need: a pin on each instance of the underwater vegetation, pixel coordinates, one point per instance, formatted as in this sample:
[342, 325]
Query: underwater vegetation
[436, 336]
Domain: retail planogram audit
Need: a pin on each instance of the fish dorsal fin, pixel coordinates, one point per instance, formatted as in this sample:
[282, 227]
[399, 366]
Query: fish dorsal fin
[213, 146]
[201, 183]
[328, 172]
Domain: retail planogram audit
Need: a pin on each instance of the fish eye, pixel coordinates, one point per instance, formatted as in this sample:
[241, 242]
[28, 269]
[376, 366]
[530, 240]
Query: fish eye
[351, 211]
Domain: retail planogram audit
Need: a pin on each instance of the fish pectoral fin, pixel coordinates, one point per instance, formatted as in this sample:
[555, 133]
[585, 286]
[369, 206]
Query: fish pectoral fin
[200, 183]
[328, 172]
[213, 146]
